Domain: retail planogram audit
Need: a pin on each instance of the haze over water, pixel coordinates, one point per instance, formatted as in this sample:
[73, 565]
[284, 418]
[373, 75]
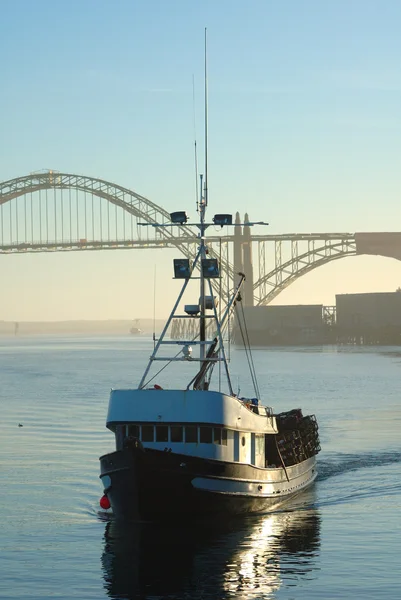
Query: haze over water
[338, 540]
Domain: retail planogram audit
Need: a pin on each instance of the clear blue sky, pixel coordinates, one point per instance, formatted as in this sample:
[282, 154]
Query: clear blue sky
[304, 129]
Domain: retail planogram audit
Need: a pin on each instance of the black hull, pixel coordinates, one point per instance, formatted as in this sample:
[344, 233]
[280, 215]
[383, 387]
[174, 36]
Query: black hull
[153, 485]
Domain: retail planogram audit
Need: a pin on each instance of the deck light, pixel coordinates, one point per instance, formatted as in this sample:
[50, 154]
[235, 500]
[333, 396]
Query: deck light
[192, 309]
[187, 351]
[210, 268]
[179, 217]
[181, 268]
[211, 302]
[223, 220]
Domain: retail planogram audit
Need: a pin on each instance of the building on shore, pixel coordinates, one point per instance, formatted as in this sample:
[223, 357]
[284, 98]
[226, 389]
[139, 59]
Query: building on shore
[373, 318]
[369, 318]
[284, 325]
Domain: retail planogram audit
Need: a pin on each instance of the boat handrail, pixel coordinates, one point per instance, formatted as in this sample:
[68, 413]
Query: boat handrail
[247, 402]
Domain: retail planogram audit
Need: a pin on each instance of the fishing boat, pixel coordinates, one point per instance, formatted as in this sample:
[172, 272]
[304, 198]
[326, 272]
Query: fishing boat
[195, 448]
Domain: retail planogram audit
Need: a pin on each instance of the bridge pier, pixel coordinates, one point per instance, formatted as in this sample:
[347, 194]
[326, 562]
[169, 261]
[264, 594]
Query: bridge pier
[243, 258]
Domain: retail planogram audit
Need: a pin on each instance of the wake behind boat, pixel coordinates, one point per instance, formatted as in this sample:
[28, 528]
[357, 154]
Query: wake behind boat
[197, 449]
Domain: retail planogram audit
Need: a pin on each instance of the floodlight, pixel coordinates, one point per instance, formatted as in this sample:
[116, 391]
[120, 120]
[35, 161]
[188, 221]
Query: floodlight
[181, 268]
[192, 309]
[210, 268]
[223, 220]
[179, 217]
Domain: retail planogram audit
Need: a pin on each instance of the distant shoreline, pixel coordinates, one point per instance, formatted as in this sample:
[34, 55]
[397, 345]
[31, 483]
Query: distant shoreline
[91, 327]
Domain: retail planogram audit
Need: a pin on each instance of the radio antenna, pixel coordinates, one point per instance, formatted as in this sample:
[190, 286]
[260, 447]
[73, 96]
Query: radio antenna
[206, 122]
[195, 146]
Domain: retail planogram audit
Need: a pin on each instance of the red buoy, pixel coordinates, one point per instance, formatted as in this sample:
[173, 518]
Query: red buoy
[104, 502]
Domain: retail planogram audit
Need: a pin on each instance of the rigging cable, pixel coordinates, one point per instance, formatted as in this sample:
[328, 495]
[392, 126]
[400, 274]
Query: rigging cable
[219, 316]
[154, 308]
[170, 361]
[248, 351]
[162, 369]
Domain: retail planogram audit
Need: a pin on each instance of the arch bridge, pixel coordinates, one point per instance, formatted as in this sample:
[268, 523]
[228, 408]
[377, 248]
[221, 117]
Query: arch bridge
[52, 211]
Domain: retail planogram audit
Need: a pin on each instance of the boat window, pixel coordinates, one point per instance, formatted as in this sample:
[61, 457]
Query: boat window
[176, 433]
[224, 437]
[133, 431]
[161, 433]
[147, 433]
[205, 435]
[258, 449]
[216, 435]
[260, 443]
[191, 434]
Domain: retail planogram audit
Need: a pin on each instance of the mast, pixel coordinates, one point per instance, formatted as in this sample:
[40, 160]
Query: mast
[212, 351]
[202, 211]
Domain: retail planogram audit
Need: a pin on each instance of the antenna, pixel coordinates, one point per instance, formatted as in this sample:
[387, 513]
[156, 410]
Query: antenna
[195, 146]
[206, 121]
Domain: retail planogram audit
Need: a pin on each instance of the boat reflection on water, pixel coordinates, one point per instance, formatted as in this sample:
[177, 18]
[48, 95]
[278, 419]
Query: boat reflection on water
[250, 557]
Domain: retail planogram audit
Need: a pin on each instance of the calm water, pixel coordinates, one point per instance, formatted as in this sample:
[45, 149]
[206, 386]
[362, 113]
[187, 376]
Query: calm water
[339, 540]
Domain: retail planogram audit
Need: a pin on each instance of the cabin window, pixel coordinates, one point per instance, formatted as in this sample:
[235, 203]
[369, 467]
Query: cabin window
[260, 444]
[205, 435]
[147, 433]
[224, 437]
[191, 434]
[258, 449]
[176, 433]
[216, 435]
[133, 431]
[161, 433]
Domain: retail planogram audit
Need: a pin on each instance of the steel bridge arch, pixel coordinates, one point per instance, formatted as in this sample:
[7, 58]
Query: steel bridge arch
[321, 248]
[128, 200]
[297, 266]
[137, 205]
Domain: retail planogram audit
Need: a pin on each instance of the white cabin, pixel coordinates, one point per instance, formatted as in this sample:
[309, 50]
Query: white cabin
[208, 424]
